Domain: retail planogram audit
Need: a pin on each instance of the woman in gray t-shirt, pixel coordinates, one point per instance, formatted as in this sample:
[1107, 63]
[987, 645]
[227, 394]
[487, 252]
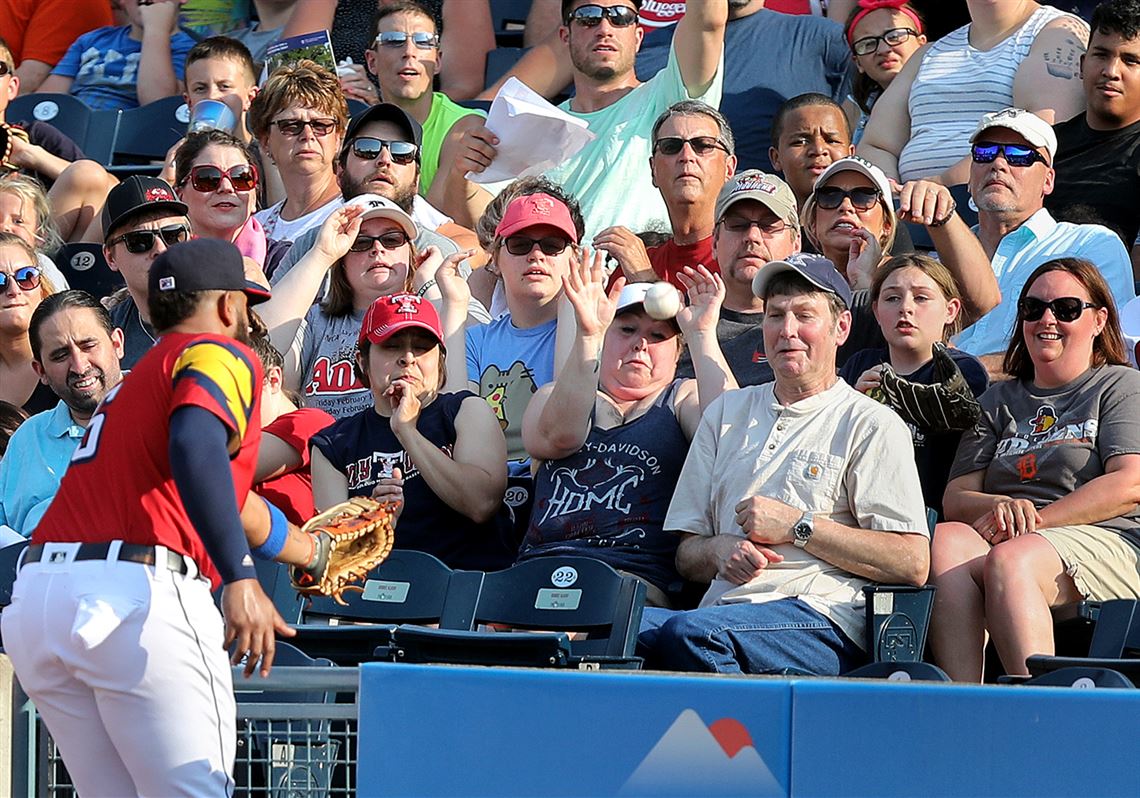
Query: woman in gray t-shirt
[1043, 494]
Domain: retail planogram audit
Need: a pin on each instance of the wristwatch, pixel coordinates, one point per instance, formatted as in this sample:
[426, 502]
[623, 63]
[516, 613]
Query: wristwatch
[802, 530]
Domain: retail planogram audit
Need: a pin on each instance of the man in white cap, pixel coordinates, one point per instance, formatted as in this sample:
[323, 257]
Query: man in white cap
[791, 499]
[1011, 172]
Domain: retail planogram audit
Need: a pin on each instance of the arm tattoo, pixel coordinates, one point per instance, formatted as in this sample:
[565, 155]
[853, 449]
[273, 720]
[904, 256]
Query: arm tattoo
[1063, 63]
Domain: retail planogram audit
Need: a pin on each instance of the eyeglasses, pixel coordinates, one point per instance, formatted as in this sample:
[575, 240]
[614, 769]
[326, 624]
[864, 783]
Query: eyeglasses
[831, 197]
[591, 16]
[1065, 308]
[5, 68]
[293, 127]
[521, 245]
[1014, 154]
[393, 239]
[369, 149]
[207, 178]
[140, 241]
[26, 277]
[702, 145]
[397, 38]
[893, 38]
[738, 224]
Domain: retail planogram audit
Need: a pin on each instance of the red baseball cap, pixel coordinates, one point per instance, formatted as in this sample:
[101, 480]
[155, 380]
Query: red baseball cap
[389, 314]
[533, 210]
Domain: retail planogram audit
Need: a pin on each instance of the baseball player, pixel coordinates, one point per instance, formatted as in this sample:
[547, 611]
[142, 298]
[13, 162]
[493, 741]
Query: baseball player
[112, 629]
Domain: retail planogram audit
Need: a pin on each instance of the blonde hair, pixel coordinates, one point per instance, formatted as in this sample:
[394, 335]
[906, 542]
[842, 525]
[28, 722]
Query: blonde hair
[938, 274]
[306, 84]
[32, 194]
[890, 220]
[47, 287]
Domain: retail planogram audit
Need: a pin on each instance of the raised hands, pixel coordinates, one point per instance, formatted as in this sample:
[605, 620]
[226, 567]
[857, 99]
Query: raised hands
[923, 202]
[705, 291]
[585, 287]
[338, 232]
[452, 285]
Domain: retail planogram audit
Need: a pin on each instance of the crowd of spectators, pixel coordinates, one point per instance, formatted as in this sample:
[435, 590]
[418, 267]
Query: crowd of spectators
[841, 200]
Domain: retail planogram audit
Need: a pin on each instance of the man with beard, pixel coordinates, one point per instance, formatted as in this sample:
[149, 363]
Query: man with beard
[112, 622]
[608, 175]
[1011, 173]
[381, 156]
[76, 351]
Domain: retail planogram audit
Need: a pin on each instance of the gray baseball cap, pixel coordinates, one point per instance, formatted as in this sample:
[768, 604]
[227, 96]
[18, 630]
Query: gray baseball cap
[816, 269]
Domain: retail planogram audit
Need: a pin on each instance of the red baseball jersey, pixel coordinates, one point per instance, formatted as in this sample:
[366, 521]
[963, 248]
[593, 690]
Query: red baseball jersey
[119, 484]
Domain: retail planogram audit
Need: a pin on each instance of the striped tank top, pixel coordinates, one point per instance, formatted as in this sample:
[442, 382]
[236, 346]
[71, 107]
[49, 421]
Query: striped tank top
[955, 86]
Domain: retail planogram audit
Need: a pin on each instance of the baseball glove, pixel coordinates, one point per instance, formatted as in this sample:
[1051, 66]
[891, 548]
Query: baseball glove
[7, 134]
[355, 536]
[946, 406]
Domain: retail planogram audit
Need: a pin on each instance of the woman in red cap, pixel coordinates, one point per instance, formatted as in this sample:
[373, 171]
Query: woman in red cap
[442, 454]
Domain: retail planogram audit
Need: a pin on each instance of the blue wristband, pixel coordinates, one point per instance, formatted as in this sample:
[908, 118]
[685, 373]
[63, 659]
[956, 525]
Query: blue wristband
[278, 533]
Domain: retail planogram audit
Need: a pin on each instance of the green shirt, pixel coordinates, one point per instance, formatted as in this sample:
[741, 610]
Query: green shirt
[444, 114]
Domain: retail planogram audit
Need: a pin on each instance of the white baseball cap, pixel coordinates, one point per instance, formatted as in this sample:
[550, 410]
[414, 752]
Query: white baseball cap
[853, 163]
[377, 207]
[1026, 124]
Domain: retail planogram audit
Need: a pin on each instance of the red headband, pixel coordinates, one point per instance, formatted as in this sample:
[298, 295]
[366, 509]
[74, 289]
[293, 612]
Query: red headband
[867, 6]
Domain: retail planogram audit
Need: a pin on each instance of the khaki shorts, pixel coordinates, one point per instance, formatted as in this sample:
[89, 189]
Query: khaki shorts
[1101, 563]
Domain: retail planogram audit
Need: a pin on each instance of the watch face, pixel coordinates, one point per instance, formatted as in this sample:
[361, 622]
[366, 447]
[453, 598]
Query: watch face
[802, 530]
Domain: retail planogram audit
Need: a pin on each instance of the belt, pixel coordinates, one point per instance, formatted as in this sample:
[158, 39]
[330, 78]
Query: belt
[128, 552]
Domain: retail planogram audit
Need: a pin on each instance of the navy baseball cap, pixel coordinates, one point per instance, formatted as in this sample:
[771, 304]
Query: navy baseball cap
[386, 112]
[816, 269]
[139, 194]
[204, 264]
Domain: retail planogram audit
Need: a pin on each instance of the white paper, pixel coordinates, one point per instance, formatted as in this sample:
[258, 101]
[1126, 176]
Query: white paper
[534, 135]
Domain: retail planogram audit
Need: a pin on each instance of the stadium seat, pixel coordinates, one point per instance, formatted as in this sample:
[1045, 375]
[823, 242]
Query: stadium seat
[508, 17]
[274, 580]
[409, 587]
[595, 610]
[898, 617]
[900, 672]
[85, 268]
[1081, 678]
[147, 132]
[1115, 644]
[355, 107]
[93, 131]
[499, 62]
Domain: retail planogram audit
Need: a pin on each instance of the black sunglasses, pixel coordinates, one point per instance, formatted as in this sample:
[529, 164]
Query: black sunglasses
[831, 197]
[5, 68]
[293, 127]
[207, 178]
[368, 148]
[702, 145]
[590, 16]
[1015, 154]
[521, 245]
[393, 239]
[26, 277]
[893, 38]
[398, 38]
[1065, 308]
[140, 241]
[738, 224]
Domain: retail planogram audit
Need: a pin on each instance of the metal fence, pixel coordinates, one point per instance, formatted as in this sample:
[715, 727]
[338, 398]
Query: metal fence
[297, 738]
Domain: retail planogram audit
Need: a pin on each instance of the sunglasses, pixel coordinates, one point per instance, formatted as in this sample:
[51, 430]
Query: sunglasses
[893, 38]
[702, 145]
[591, 16]
[26, 277]
[738, 224]
[393, 239]
[5, 68]
[396, 38]
[207, 178]
[1065, 308]
[521, 245]
[1014, 154]
[831, 197]
[139, 241]
[293, 127]
[369, 149]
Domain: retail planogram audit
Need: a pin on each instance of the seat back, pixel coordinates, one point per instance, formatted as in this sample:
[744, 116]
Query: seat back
[9, 556]
[147, 132]
[898, 617]
[1117, 631]
[567, 594]
[900, 672]
[86, 268]
[499, 62]
[408, 587]
[274, 580]
[93, 131]
[508, 17]
[1082, 678]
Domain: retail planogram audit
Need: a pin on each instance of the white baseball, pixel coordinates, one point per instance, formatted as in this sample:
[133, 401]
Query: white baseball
[662, 301]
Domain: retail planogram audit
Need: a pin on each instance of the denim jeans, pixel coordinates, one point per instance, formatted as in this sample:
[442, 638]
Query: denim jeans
[746, 638]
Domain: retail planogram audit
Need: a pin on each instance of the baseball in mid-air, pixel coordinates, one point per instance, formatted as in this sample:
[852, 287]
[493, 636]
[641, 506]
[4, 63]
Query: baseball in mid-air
[662, 301]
